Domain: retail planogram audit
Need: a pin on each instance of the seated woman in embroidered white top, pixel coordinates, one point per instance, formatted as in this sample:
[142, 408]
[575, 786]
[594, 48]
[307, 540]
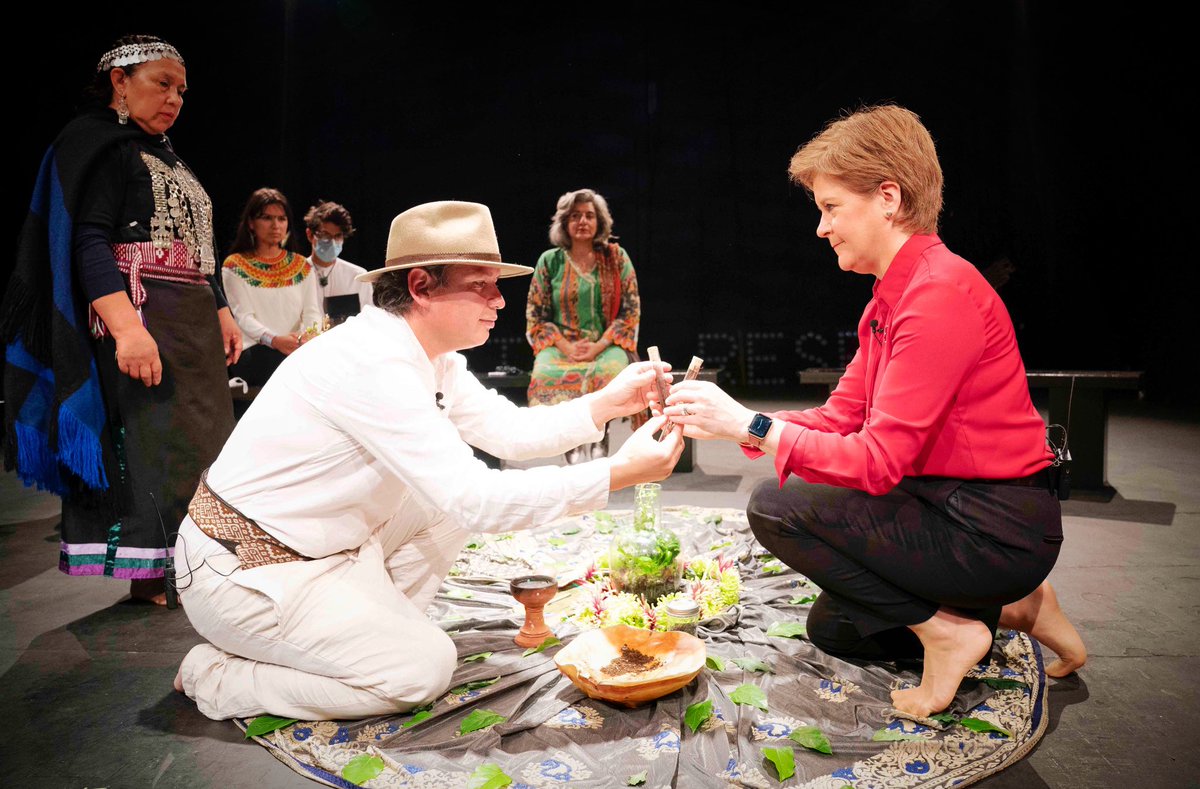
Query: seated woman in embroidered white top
[271, 288]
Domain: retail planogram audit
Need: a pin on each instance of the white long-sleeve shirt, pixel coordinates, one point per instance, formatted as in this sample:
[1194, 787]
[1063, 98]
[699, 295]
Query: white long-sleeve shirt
[349, 427]
[340, 280]
[276, 311]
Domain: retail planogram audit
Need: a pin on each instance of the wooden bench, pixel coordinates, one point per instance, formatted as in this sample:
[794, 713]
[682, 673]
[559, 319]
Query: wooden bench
[515, 387]
[1078, 401]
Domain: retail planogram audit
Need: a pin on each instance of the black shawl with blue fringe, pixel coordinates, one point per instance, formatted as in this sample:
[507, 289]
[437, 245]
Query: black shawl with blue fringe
[54, 416]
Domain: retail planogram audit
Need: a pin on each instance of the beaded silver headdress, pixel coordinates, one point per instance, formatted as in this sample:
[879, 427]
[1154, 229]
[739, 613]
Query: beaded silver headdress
[131, 54]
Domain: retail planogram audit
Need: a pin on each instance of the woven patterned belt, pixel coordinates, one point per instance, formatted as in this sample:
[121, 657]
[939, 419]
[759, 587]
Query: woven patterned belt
[240, 535]
[143, 259]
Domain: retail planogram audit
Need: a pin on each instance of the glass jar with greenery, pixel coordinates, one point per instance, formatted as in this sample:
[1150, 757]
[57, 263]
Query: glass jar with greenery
[644, 556]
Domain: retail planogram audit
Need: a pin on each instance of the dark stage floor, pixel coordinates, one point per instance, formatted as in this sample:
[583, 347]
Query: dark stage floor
[86, 686]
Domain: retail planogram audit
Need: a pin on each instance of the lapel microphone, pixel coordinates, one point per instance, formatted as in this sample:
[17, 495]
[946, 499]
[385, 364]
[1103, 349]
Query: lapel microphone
[876, 331]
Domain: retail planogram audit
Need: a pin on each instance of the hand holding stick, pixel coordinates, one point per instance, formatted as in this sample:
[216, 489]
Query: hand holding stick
[693, 371]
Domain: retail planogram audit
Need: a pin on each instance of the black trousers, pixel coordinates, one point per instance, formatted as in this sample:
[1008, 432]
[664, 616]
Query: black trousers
[258, 363]
[886, 562]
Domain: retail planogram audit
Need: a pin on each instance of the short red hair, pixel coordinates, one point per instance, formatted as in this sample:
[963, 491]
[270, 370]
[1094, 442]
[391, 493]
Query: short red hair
[873, 145]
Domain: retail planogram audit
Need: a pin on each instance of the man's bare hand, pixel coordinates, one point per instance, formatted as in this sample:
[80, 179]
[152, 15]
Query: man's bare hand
[643, 458]
[631, 391]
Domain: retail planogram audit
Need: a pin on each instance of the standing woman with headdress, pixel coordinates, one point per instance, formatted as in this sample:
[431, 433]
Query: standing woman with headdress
[116, 330]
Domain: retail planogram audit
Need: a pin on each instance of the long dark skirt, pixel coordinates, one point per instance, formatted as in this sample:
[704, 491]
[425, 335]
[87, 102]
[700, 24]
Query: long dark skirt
[162, 437]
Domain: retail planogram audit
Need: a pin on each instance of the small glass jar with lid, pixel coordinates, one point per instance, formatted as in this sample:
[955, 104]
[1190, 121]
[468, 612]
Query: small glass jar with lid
[683, 614]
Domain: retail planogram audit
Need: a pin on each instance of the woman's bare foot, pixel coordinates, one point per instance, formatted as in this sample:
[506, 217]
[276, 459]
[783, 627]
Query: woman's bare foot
[1040, 615]
[954, 644]
[150, 590]
[179, 679]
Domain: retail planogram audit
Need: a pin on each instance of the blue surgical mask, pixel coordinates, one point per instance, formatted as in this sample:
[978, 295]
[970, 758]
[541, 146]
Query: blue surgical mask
[327, 249]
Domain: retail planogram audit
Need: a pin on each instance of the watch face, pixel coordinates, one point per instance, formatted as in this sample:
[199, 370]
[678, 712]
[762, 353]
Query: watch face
[759, 426]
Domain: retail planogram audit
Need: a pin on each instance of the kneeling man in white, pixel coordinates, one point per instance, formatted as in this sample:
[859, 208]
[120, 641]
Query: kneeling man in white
[324, 528]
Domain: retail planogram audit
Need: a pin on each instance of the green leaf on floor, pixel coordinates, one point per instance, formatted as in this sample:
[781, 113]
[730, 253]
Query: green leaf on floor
[551, 641]
[715, 663]
[716, 546]
[715, 519]
[417, 717]
[696, 714]
[944, 717]
[637, 779]
[556, 542]
[477, 657]
[362, 768]
[1003, 684]
[474, 545]
[773, 568]
[479, 719]
[750, 695]
[570, 530]
[787, 629]
[805, 600]
[500, 537]
[980, 725]
[894, 735]
[812, 738]
[784, 760]
[753, 664]
[459, 594]
[476, 685]
[265, 724]
[488, 776]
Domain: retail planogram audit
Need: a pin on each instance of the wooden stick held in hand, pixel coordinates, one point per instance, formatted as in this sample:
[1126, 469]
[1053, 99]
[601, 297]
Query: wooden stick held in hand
[693, 370]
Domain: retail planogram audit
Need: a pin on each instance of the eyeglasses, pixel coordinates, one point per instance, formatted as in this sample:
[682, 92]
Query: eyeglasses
[320, 236]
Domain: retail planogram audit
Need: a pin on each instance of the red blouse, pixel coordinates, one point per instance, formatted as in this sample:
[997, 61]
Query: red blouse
[936, 388]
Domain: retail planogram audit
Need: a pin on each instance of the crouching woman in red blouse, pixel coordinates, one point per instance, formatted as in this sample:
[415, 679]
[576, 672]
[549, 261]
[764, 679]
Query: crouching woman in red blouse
[924, 506]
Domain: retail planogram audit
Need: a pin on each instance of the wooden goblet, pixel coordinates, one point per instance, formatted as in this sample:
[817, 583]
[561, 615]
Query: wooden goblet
[533, 592]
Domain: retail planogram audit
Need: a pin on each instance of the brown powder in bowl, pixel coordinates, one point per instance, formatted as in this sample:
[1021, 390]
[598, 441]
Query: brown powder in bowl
[631, 661]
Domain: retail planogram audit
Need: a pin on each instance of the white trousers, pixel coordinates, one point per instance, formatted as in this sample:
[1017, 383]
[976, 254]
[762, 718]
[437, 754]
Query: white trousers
[340, 637]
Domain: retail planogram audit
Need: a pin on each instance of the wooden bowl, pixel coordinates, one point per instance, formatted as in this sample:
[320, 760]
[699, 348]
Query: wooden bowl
[654, 664]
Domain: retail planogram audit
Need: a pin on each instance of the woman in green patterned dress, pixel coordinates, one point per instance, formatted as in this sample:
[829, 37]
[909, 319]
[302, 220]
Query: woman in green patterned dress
[583, 311]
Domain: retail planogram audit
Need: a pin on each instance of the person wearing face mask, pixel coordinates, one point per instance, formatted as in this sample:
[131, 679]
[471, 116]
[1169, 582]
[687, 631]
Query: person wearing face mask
[328, 225]
[116, 328]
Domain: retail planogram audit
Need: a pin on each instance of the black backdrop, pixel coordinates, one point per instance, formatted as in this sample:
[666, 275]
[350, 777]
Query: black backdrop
[1050, 129]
